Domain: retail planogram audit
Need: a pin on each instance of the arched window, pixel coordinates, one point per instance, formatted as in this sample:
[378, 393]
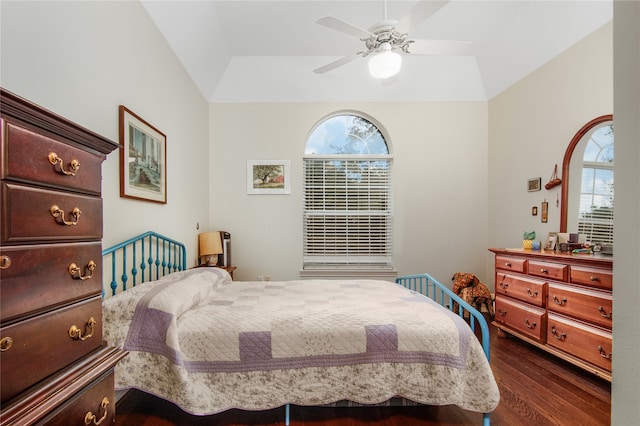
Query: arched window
[347, 196]
[596, 193]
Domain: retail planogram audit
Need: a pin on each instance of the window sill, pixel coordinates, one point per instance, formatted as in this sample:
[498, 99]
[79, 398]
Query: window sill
[373, 274]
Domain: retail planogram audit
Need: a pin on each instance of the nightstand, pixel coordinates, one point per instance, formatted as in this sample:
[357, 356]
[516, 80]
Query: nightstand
[229, 269]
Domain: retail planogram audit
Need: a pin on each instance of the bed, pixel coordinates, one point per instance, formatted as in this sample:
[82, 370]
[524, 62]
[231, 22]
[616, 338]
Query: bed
[207, 343]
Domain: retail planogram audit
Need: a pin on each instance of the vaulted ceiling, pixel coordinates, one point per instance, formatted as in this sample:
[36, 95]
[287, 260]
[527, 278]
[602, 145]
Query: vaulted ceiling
[266, 51]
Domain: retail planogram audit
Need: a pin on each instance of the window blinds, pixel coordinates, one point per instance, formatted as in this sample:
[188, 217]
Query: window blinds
[347, 212]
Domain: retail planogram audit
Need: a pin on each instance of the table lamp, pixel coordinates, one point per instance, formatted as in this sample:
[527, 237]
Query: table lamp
[209, 247]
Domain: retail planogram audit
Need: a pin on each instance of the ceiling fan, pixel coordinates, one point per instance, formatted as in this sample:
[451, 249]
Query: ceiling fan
[385, 39]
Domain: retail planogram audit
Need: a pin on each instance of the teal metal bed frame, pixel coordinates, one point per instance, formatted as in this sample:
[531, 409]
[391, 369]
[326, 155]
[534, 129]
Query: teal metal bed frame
[157, 256]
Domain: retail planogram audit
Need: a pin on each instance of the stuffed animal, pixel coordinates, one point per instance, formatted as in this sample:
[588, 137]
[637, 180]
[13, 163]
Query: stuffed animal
[472, 291]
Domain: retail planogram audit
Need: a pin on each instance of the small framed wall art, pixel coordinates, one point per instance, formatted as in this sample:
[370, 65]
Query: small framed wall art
[533, 184]
[544, 212]
[143, 159]
[268, 177]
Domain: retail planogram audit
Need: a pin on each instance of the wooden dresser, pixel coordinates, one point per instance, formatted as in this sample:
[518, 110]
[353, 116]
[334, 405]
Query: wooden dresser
[560, 302]
[55, 367]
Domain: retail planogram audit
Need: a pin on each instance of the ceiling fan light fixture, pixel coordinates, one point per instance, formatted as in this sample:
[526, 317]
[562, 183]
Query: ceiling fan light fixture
[385, 64]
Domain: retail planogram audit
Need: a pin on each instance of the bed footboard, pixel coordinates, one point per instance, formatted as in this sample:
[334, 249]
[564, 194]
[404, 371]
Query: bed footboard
[155, 255]
[430, 287]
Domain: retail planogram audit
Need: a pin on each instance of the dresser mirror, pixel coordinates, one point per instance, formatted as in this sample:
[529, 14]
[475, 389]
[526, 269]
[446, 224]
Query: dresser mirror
[587, 182]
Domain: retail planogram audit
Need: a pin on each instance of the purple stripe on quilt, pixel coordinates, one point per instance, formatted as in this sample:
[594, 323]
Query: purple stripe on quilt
[255, 346]
[382, 338]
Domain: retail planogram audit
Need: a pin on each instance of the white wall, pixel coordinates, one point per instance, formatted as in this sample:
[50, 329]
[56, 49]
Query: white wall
[440, 184]
[530, 127]
[83, 59]
[625, 403]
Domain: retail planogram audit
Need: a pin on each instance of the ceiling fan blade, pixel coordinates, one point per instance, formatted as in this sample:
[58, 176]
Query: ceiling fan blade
[418, 14]
[335, 64]
[440, 47]
[344, 27]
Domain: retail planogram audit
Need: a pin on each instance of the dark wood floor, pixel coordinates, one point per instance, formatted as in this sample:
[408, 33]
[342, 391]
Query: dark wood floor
[535, 389]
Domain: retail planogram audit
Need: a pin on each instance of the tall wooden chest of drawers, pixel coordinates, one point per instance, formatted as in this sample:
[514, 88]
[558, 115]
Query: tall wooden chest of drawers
[559, 302]
[55, 367]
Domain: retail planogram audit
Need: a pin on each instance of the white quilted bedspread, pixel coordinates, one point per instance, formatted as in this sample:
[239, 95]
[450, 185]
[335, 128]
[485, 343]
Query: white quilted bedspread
[208, 344]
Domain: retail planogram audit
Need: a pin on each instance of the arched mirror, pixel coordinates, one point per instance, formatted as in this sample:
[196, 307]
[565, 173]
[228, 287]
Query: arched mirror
[587, 182]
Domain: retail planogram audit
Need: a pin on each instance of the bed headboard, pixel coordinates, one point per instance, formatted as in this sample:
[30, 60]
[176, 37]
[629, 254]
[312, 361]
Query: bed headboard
[155, 255]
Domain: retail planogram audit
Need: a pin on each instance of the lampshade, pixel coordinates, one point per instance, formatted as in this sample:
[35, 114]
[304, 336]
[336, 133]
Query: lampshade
[209, 243]
[386, 63]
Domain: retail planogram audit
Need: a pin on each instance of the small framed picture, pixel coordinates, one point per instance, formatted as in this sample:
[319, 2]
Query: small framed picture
[552, 240]
[534, 211]
[545, 212]
[268, 177]
[533, 184]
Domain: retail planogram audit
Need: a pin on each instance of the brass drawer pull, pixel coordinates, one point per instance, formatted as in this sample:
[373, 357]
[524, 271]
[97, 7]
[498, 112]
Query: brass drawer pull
[75, 272]
[594, 278]
[530, 325]
[90, 418]
[532, 294]
[58, 213]
[603, 354]
[5, 262]
[558, 301]
[559, 336]
[74, 165]
[507, 264]
[544, 271]
[5, 344]
[603, 313]
[76, 333]
[504, 285]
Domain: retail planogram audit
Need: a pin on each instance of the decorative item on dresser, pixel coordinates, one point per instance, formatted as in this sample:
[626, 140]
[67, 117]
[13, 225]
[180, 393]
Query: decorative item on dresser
[559, 302]
[56, 369]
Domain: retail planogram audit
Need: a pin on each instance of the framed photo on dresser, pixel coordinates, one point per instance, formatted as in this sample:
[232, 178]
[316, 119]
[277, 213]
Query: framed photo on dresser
[552, 240]
[143, 159]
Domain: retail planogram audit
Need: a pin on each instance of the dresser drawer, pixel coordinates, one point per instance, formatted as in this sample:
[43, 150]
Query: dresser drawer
[28, 160]
[45, 271]
[513, 264]
[587, 305]
[519, 287]
[96, 404]
[42, 345]
[553, 271]
[588, 343]
[523, 318]
[601, 278]
[29, 215]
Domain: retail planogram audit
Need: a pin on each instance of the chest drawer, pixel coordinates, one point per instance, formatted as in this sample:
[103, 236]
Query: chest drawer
[96, 404]
[522, 288]
[31, 214]
[44, 271]
[584, 304]
[35, 158]
[552, 271]
[43, 345]
[601, 278]
[513, 264]
[588, 343]
[523, 318]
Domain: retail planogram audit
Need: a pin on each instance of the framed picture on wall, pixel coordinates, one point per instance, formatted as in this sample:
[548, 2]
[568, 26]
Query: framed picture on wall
[268, 177]
[143, 159]
[533, 184]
